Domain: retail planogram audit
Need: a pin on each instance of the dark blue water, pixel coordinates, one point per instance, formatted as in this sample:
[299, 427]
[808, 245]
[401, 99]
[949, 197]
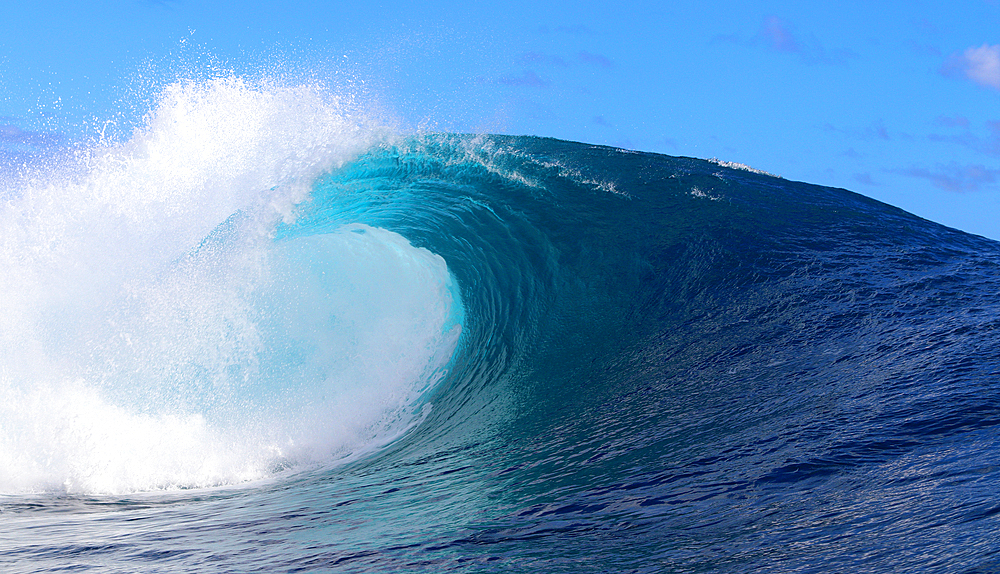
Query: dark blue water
[665, 365]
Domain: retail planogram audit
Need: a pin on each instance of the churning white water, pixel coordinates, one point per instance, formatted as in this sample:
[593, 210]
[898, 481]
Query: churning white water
[154, 333]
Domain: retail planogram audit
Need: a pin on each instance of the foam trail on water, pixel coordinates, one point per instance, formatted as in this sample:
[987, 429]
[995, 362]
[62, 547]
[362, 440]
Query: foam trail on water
[154, 334]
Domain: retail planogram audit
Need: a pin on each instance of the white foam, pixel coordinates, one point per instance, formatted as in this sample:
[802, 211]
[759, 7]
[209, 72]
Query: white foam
[136, 354]
[740, 166]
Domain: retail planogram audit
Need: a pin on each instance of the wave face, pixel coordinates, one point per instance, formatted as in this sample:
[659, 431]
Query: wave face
[260, 335]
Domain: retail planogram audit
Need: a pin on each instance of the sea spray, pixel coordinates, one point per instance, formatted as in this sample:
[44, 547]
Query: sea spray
[156, 335]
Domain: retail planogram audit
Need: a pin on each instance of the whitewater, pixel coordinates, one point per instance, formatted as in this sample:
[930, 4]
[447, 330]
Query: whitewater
[263, 332]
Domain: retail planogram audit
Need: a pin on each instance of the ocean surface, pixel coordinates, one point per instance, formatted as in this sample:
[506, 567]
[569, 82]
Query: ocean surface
[262, 334]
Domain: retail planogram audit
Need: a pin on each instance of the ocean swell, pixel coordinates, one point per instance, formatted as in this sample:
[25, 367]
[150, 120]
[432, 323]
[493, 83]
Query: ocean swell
[482, 353]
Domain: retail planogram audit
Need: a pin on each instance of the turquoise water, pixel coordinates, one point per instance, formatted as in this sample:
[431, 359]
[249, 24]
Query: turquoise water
[335, 350]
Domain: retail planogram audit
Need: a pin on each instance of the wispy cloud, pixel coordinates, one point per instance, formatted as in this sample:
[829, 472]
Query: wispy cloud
[779, 35]
[875, 131]
[955, 122]
[852, 153]
[990, 144]
[164, 3]
[537, 58]
[879, 130]
[551, 63]
[555, 61]
[981, 65]
[527, 78]
[924, 49]
[955, 177]
[572, 30]
[925, 26]
[594, 59]
[865, 178]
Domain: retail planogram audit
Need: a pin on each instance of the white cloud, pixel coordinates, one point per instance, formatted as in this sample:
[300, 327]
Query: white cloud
[956, 177]
[981, 65]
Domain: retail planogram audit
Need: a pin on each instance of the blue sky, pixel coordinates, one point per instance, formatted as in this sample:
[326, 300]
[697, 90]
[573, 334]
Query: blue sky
[899, 101]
